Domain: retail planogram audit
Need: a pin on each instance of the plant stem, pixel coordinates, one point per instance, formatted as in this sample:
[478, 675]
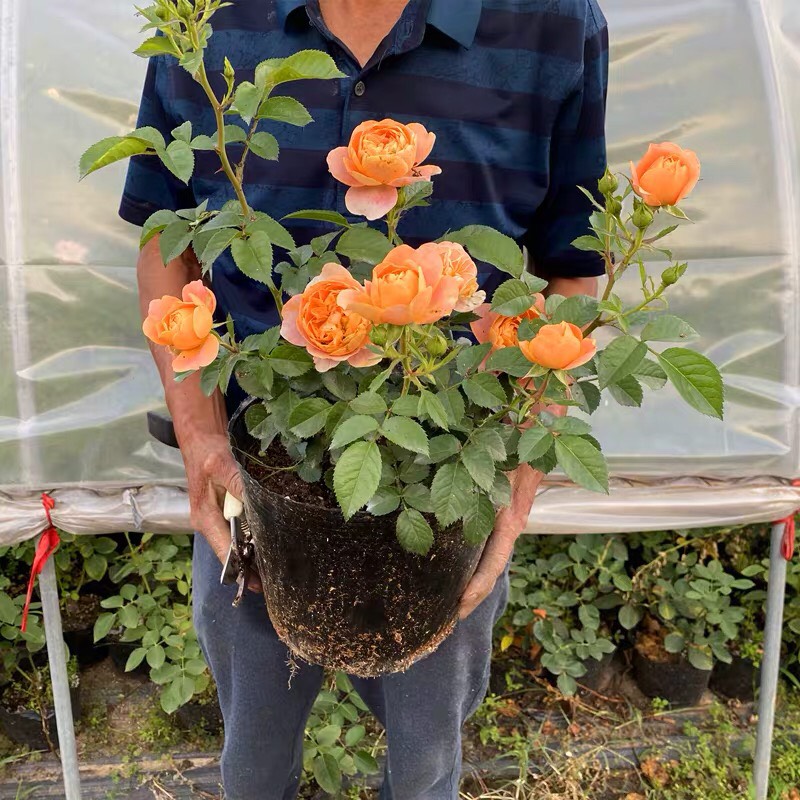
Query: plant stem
[392, 219]
[646, 301]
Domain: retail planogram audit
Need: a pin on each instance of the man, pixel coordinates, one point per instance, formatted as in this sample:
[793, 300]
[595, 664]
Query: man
[515, 91]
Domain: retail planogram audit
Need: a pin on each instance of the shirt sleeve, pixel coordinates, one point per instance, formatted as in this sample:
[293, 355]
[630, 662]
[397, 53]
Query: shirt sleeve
[149, 185]
[577, 158]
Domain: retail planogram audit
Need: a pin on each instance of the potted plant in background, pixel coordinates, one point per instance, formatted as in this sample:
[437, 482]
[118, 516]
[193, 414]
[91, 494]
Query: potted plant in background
[373, 417]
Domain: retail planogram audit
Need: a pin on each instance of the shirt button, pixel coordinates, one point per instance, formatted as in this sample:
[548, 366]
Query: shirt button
[359, 89]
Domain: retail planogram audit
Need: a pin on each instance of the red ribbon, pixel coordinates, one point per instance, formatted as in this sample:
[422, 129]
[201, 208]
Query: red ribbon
[787, 544]
[47, 544]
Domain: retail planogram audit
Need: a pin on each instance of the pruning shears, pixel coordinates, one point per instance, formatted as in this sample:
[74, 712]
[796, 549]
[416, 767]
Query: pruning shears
[238, 566]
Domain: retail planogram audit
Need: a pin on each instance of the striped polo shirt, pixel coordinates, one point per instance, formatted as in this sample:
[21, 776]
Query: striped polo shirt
[513, 89]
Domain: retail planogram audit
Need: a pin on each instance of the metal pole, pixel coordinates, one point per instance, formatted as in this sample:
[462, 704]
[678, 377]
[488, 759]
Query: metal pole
[48, 590]
[770, 665]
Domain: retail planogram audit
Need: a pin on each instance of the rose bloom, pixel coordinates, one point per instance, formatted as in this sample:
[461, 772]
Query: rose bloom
[559, 346]
[665, 175]
[381, 157]
[501, 331]
[457, 264]
[408, 286]
[316, 321]
[184, 326]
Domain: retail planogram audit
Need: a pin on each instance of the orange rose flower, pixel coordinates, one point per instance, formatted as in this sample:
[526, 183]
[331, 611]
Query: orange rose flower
[380, 157]
[559, 346]
[499, 330]
[407, 286]
[184, 326]
[665, 175]
[457, 264]
[316, 321]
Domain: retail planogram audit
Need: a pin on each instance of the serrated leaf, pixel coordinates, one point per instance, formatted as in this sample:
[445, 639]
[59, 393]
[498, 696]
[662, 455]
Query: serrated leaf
[284, 109]
[491, 246]
[320, 215]
[155, 46]
[512, 298]
[696, 378]
[265, 145]
[442, 447]
[620, 358]
[384, 501]
[235, 134]
[586, 395]
[431, 406]
[418, 496]
[368, 403]
[582, 462]
[668, 328]
[109, 150]
[579, 309]
[413, 532]
[356, 476]
[363, 244]
[589, 244]
[509, 360]
[156, 223]
[303, 65]
[485, 390]
[450, 488]
[327, 773]
[308, 417]
[253, 256]
[528, 328]
[354, 428]
[650, 374]
[491, 440]
[246, 100]
[453, 404]
[478, 519]
[501, 491]
[480, 465]
[290, 361]
[406, 405]
[407, 433]
[534, 443]
[174, 240]
[214, 245]
[178, 158]
[183, 132]
[627, 391]
[470, 356]
[277, 233]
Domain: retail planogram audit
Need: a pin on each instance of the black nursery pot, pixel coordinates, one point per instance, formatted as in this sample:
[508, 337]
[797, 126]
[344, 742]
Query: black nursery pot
[23, 726]
[678, 681]
[207, 716]
[79, 636]
[737, 679]
[345, 594]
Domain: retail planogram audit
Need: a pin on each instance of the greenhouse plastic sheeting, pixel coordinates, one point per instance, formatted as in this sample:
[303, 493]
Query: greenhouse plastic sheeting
[719, 76]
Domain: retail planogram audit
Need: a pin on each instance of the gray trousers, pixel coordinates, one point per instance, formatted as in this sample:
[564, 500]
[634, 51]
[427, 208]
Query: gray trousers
[422, 709]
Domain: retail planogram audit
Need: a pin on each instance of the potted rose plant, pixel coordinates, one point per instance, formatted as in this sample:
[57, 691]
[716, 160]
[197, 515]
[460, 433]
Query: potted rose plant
[391, 404]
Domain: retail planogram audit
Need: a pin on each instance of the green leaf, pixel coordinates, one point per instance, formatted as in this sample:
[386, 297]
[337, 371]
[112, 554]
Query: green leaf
[174, 240]
[534, 283]
[235, 134]
[413, 532]
[587, 395]
[570, 425]
[384, 501]
[103, 624]
[696, 378]
[320, 215]
[354, 428]
[365, 763]
[265, 145]
[509, 360]
[480, 465]
[442, 447]
[470, 356]
[354, 735]
[512, 298]
[627, 391]
[277, 233]
[303, 65]
[418, 496]
[109, 150]
[155, 656]
[528, 328]
[579, 309]
[534, 443]
[308, 417]
[284, 109]
[450, 488]
[491, 246]
[700, 659]
[674, 643]
[156, 223]
[582, 462]
[629, 617]
[203, 142]
[620, 358]
[485, 390]
[431, 406]
[356, 476]
[453, 404]
[290, 361]
[668, 328]
[368, 403]
[96, 566]
[246, 100]
[155, 46]
[178, 158]
[588, 244]
[253, 256]
[415, 194]
[478, 519]
[501, 491]
[363, 244]
[406, 405]
[183, 132]
[650, 374]
[567, 684]
[214, 245]
[492, 441]
[407, 433]
[328, 735]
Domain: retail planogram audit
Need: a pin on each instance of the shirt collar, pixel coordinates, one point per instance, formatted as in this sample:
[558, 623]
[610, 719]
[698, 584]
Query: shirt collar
[458, 20]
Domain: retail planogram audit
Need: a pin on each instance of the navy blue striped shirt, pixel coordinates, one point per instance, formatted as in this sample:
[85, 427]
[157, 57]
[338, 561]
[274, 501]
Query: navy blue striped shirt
[514, 90]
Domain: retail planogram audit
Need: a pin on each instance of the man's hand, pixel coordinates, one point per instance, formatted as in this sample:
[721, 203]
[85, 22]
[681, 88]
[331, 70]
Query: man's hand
[508, 526]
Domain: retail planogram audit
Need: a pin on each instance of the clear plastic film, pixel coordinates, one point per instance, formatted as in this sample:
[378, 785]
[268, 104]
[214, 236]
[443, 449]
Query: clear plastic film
[76, 379]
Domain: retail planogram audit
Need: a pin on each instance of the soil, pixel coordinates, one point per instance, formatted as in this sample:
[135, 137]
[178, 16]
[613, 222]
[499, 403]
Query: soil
[651, 646]
[287, 482]
[80, 614]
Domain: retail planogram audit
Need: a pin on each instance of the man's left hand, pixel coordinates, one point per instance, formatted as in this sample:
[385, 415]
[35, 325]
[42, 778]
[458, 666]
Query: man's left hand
[508, 526]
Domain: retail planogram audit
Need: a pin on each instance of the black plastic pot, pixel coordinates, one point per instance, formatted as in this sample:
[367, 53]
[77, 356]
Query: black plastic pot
[24, 726]
[737, 679]
[207, 715]
[676, 681]
[82, 645]
[78, 620]
[119, 653]
[345, 594]
[599, 674]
